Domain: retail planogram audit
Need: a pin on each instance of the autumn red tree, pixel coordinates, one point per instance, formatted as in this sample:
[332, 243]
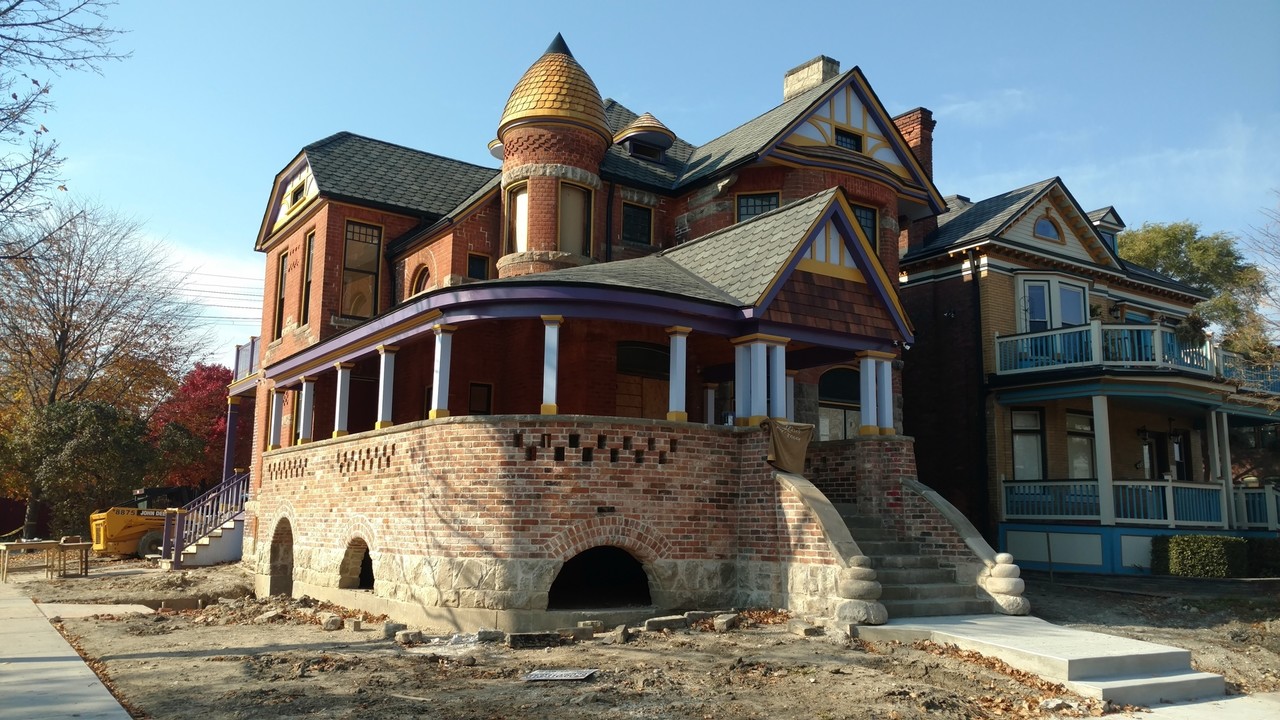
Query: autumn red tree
[189, 429]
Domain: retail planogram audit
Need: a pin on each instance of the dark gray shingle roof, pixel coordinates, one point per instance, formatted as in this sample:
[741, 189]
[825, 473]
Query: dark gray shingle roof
[619, 163]
[353, 167]
[970, 223]
[652, 273]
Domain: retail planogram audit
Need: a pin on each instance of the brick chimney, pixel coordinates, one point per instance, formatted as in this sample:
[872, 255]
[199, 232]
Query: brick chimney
[916, 127]
[808, 75]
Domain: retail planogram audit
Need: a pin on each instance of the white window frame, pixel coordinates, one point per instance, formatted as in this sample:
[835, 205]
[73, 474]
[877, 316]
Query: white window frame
[1054, 285]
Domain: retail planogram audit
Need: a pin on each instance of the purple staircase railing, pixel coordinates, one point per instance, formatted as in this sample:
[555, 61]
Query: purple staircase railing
[195, 520]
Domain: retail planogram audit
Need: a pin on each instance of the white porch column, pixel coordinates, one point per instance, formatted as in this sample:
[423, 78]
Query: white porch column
[759, 380]
[778, 380]
[791, 395]
[677, 376]
[343, 400]
[386, 384]
[1227, 476]
[1102, 461]
[884, 396]
[277, 411]
[306, 407]
[867, 408]
[741, 384]
[440, 371]
[550, 362]
[709, 402]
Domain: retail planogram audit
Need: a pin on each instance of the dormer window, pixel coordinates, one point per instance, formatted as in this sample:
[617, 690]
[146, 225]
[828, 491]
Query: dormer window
[1047, 229]
[298, 193]
[848, 140]
[644, 151]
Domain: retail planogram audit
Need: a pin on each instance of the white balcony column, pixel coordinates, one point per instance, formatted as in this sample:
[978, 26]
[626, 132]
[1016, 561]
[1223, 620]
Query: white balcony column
[759, 382]
[1157, 346]
[305, 409]
[778, 380]
[676, 384]
[709, 402]
[277, 418]
[741, 383]
[1102, 460]
[867, 395]
[1095, 342]
[1225, 441]
[343, 399]
[791, 395]
[550, 362]
[386, 384]
[440, 371]
[884, 396]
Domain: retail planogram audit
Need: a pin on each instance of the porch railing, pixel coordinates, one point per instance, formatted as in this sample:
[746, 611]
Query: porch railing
[1251, 377]
[1098, 344]
[1135, 502]
[1258, 508]
[246, 360]
[1051, 500]
[195, 520]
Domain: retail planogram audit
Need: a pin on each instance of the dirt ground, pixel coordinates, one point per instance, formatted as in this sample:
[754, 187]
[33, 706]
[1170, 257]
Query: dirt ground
[241, 657]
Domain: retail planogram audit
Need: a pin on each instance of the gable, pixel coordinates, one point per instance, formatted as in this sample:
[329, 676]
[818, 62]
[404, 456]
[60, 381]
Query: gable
[843, 115]
[1053, 224]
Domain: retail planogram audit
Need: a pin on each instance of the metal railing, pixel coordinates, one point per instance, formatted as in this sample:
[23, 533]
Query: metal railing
[195, 520]
[246, 360]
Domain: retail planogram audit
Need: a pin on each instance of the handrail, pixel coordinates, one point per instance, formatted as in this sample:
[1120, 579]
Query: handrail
[198, 518]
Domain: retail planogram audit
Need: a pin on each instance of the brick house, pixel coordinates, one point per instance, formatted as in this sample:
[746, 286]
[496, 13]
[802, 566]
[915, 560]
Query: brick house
[1056, 395]
[495, 396]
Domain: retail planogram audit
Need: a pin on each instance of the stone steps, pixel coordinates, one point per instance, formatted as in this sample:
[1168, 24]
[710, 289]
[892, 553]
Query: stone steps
[916, 608]
[914, 576]
[927, 591]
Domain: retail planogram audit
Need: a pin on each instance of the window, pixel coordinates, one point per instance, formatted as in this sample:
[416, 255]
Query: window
[575, 219]
[866, 217]
[480, 399]
[1047, 229]
[1080, 449]
[848, 140]
[518, 219]
[281, 273]
[756, 204]
[306, 278]
[1108, 238]
[421, 280]
[644, 359]
[637, 224]
[1028, 445]
[360, 270]
[478, 267]
[298, 193]
[839, 409]
[644, 151]
[1052, 303]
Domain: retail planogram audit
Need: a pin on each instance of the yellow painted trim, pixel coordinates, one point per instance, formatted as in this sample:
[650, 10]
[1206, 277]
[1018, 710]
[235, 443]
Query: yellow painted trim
[549, 409]
[552, 318]
[778, 339]
[382, 424]
[890, 288]
[818, 267]
[339, 433]
[678, 416]
[792, 373]
[303, 440]
[437, 413]
[440, 328]
[307, 379]
[710, 386]
[343, 365]
[433, 315]
[889, 126]
[272, 447]
[868, 430]
[874, 355]
[423, 269]
[755, 420]
[679, 330]
[384, 349]
[887, 431]
[509, 216]
[233, 400]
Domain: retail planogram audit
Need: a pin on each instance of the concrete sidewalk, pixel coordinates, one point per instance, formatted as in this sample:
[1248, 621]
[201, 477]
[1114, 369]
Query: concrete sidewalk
[41, 676]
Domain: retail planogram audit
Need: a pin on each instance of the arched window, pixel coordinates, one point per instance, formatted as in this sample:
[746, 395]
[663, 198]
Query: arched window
[839, 415]
[1047, 229]
[575, 219]
[421, 280]
[518, 219]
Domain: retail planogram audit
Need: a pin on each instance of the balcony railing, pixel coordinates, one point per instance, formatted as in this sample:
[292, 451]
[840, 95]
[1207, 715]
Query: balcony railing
[1141, 502]
[246, 360]
[1126, 346]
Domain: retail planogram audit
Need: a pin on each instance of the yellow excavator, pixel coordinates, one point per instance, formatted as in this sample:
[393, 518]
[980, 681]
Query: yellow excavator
[136, 527]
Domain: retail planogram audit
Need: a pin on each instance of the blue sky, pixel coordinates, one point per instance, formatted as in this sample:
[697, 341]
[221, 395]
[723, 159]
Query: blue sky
[1168, 110]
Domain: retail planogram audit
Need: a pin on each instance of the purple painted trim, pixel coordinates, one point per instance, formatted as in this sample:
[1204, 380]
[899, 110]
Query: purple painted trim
[901, 188]
[834, 214]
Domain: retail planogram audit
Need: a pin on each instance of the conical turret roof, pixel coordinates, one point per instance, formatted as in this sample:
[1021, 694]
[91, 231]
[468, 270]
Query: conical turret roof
[556, 88]
[647, 128]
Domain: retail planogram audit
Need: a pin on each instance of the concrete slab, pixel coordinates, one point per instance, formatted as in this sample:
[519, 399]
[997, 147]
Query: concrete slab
[41, 676]
[1265, 706]
[79, 610]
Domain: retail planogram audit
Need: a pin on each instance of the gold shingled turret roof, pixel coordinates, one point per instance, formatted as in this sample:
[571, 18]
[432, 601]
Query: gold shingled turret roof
[650, 129]
[556, 88]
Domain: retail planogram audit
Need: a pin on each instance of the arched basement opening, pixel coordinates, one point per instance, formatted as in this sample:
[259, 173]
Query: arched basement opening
[356, 570]
[601, 577]
[281, 560]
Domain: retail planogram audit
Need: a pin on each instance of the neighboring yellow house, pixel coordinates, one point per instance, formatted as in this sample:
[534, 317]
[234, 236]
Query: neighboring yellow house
[1057, 395]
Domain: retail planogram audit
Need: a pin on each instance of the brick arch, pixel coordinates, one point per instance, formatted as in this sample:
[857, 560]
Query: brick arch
[358, 527]
[357, 538]
[635, 536]
[279, 557]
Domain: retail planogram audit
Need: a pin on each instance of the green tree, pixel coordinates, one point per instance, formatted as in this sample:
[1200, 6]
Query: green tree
[1214, 264]
[77, 457]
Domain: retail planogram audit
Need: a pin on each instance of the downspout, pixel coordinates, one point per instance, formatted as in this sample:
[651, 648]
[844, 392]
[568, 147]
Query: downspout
[984, 468]
[608, 224]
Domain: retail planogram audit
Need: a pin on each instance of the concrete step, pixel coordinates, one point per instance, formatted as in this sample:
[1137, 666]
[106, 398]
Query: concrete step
[904, 561]
[1151, 689]
[878, 548]
[927, 591]
[865, 534]
[914, 576]
[935, 608]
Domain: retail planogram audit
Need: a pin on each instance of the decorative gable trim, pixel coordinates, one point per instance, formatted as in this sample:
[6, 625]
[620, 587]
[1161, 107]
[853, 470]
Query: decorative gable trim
[1069, 218]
